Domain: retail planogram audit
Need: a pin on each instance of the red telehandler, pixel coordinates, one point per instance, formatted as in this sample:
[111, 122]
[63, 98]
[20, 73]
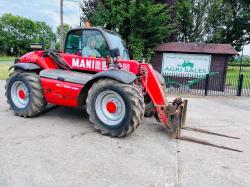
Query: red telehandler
[93, 71]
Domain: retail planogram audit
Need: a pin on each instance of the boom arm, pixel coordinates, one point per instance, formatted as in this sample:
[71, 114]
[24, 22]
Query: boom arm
[154, 89]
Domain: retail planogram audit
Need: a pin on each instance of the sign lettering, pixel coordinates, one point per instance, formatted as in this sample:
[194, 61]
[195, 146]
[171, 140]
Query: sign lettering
[94, 64]
[186, 65]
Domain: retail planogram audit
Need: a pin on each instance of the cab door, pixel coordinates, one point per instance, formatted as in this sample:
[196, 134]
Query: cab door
[86, 50]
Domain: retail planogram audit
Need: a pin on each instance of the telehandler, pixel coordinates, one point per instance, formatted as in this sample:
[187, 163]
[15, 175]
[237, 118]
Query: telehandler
[94, 71]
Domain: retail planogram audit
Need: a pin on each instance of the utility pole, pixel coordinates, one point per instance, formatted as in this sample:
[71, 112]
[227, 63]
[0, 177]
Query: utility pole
[61, 29]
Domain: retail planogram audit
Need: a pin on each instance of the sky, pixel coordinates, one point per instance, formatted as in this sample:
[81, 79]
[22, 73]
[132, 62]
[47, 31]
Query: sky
[49, 11]
[43, 10]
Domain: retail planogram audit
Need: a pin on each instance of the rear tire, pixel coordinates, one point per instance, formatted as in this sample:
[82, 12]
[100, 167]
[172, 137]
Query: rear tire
[24, 94]
[127, 111]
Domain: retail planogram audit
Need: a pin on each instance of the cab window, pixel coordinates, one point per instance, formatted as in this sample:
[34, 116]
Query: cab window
[94, 44]
[87, 43]
[74, 42]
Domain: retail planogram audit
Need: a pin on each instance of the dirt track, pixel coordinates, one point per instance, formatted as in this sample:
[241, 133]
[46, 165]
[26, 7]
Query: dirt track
[61, 148]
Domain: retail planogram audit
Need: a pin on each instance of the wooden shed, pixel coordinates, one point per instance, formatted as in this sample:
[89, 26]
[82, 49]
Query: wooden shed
[193, 59]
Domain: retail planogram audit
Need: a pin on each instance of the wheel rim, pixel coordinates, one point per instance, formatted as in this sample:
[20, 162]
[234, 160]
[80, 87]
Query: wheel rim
[110, 107]
[19, 94]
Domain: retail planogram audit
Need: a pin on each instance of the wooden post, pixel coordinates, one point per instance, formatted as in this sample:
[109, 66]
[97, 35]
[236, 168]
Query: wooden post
[206, 84]
[240, 83]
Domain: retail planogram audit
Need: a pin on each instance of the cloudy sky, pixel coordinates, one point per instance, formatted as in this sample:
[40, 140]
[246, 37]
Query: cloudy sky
[43, 10]
[49, 11]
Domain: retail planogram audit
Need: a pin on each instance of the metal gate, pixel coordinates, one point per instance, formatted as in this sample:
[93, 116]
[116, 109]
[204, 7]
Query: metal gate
[210, 84]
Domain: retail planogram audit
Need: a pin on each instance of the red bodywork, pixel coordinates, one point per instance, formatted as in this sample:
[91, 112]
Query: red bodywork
[66, 94]
[61, 93]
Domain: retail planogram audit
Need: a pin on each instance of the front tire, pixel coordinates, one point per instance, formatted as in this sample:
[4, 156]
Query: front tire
[24, 94]
[149, 107]
[116, 109]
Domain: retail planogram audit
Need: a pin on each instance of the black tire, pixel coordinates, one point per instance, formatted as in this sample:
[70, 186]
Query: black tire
[36, 101]
[149, 107]
[133, 102]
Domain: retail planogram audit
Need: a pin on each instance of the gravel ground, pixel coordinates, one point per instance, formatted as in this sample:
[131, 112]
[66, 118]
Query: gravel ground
[61, 148]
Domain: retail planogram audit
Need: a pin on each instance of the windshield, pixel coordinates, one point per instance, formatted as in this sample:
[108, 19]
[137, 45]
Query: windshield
[117, 42]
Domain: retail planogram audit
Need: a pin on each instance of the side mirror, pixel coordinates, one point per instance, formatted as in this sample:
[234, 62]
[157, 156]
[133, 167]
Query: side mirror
[114, 52]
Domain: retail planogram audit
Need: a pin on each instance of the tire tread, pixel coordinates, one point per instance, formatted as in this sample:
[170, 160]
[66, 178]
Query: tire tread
[38, 103]
[137, 106]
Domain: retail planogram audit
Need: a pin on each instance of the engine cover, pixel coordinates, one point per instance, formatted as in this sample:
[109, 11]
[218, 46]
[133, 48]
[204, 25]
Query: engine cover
[60, 92]
[62, 87]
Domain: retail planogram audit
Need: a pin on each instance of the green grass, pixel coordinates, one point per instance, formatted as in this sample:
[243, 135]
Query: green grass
[231, 71]
[4, 69]
[233, 76]
[5, 63]
[7, 58]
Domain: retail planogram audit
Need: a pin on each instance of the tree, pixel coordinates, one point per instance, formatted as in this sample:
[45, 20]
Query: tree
[45, 34]
[142, 24]
[18, 33]
[228, 21]
[66, 28]
[191, 15]
[214, 21]
[208, 21]
[184, 19]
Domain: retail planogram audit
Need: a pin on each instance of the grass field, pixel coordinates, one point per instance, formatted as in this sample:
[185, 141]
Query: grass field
[4, 69]
[235, 71]
[5, 63]
[233, 76]
[7, 58]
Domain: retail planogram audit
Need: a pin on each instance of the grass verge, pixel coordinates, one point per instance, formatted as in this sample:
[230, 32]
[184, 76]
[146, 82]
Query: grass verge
[4, 69]
[7, 58]
[233, 76]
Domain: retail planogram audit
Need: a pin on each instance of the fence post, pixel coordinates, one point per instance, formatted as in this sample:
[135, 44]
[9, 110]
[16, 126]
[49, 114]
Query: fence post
[206, 84]
[240, 83]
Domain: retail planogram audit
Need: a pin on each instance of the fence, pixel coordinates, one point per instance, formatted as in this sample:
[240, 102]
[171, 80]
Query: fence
[210, 84]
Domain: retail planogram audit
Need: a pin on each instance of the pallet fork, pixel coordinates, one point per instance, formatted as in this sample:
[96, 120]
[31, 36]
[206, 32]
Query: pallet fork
[182, 109]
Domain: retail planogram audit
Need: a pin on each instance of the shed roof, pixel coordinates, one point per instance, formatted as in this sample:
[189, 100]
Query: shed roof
[196, 48]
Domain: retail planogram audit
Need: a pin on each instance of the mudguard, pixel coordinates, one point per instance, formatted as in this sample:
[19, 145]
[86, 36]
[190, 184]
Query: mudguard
[66, 76]
[117, 74]
[27, 66]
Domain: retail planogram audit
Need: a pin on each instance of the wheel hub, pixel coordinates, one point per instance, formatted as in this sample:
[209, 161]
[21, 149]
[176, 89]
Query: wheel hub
[111, 107]
[19, 94]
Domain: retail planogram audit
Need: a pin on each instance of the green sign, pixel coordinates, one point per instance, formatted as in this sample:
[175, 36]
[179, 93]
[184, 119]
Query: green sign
[188, 65]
